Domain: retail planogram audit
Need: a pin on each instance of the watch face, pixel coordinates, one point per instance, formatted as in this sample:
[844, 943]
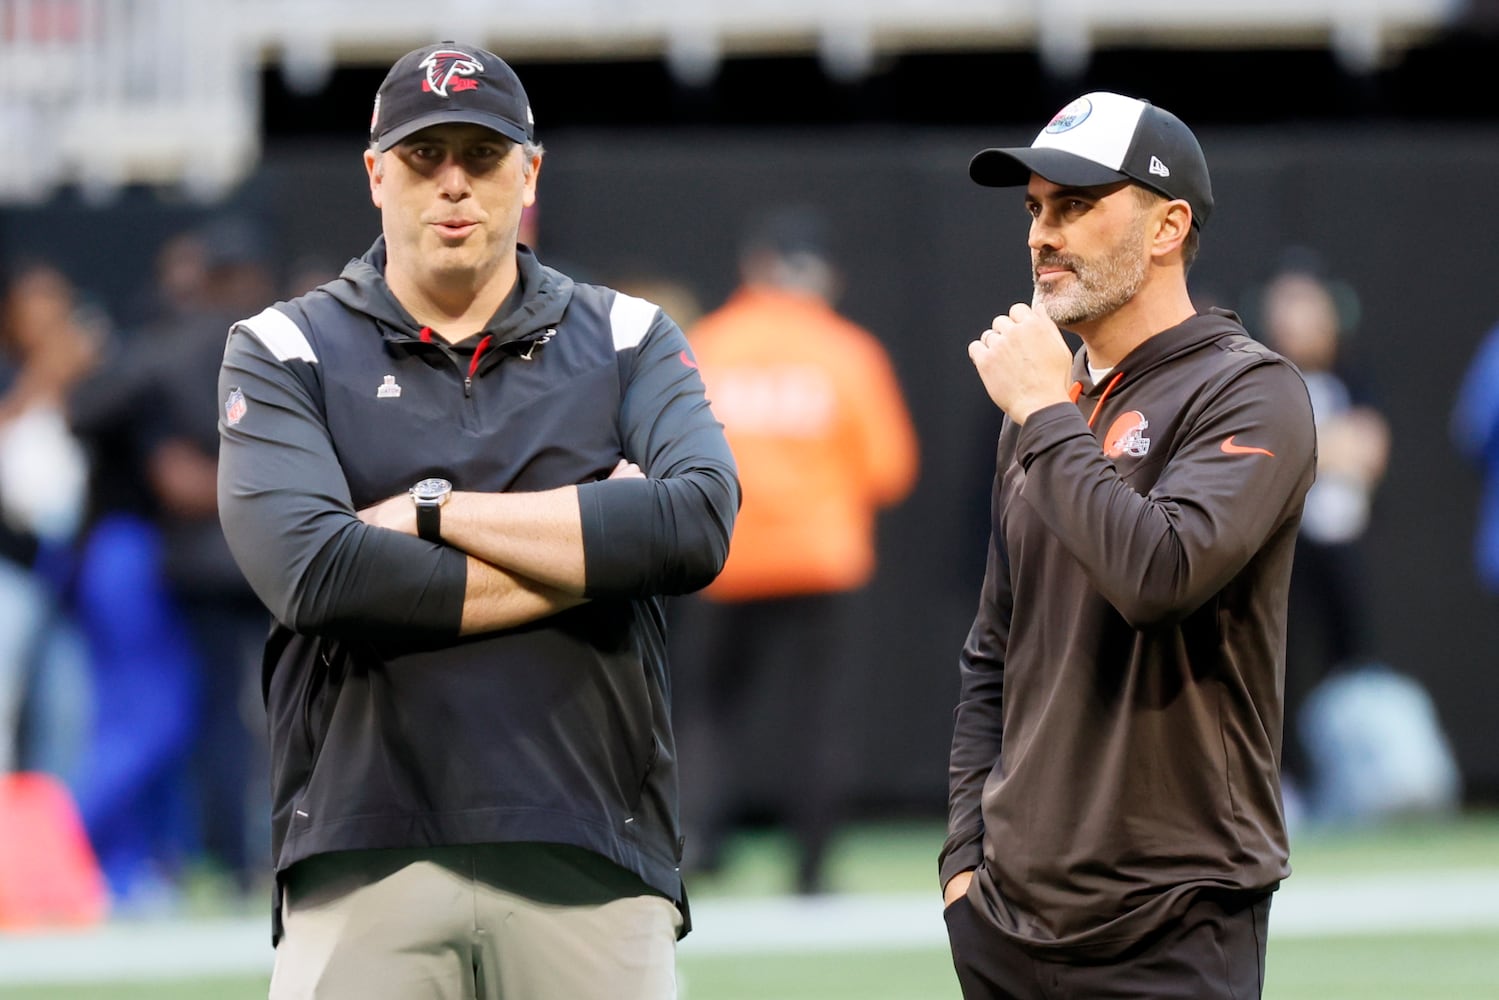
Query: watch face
[431, 489]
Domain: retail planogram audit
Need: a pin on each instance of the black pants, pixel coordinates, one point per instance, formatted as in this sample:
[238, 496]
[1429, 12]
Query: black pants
[1215, 952]
[230, 758]
[777, 671]
[1328, 627]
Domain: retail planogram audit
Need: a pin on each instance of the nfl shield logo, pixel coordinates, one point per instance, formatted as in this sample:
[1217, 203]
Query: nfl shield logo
[234, 407]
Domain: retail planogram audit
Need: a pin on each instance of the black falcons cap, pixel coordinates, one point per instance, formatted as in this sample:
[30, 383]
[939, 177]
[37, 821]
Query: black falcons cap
[1101, 138]
[449, 82]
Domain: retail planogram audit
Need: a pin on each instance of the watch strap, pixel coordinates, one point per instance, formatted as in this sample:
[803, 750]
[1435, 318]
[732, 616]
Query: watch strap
[429, 521]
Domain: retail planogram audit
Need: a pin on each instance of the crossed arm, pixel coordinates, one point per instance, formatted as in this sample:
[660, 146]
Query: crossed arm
[322, 566]
[525, 550]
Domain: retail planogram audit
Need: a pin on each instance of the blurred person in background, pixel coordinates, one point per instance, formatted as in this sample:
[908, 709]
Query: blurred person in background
[151, 414]
[1474, 432]
[814, 412]
[1115, 823]
[463, 483]
[135, 787]
[49, 339]
[176, 423]
[179, 279]
[1330, 625]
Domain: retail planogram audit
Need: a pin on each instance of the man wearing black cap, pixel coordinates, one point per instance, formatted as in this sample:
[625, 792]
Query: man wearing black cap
[1115, 824]
[462, 484]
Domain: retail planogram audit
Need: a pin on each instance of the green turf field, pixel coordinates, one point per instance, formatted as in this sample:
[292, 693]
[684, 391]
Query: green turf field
[1444, 967]
[900, 858]
[1429, 967]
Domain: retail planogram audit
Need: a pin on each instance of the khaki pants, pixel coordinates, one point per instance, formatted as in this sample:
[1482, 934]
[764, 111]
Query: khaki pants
[445, 924]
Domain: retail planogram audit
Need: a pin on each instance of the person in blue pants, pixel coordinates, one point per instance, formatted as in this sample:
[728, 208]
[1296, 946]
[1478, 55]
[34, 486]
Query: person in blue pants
[131, 788]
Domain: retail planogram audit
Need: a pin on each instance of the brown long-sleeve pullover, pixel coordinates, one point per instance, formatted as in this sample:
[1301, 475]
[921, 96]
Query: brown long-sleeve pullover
[1118, 731]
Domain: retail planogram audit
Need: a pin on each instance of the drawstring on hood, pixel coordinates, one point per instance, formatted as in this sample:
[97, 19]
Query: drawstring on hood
[1077, 391]
[473, 362]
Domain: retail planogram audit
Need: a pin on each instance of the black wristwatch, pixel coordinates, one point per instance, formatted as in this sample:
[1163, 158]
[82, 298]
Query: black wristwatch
[429, 495]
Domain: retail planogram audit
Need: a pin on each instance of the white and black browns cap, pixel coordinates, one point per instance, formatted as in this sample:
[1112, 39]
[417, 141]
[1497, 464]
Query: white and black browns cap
[1101, 138]
[448, 82]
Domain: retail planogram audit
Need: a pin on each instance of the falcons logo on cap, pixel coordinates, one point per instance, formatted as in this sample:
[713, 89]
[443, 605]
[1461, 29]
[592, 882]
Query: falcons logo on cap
[446, 67]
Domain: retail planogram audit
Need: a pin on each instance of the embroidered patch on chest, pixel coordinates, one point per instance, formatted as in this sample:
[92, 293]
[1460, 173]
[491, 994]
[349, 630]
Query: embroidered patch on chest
[1126, 436]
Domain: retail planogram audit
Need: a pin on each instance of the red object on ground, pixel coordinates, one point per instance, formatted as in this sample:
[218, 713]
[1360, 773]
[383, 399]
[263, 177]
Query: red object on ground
[49, 875]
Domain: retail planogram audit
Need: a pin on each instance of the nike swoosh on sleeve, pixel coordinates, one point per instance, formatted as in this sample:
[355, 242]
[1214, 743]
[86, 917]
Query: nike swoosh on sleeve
[1229, 448]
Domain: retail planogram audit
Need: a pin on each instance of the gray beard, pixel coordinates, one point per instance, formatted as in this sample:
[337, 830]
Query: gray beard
[1099, 287]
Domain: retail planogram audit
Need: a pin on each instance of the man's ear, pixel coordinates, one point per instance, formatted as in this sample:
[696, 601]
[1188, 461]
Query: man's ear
[375, 170]
[532, 174]
[1172, 228]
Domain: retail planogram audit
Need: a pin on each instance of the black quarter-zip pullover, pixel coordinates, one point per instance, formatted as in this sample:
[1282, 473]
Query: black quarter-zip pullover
[387, 728]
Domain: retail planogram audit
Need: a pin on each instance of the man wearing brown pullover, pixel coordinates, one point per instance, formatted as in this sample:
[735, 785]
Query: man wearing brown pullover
[1115, 822]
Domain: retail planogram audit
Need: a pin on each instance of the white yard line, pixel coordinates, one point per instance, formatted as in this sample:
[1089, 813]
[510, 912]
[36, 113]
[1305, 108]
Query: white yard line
[1308, 907]
[1397, 903]
[1305, 907]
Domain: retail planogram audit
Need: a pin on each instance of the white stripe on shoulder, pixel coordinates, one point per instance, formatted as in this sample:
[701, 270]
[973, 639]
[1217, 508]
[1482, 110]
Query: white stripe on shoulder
[631, 318]
[280, 335]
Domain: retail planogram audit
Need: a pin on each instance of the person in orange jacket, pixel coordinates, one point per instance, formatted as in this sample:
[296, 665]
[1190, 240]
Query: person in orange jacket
[819, 426]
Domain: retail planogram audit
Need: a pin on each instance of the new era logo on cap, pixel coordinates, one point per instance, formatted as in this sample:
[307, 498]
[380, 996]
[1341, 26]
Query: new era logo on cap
[448, 82]
[1103, 138]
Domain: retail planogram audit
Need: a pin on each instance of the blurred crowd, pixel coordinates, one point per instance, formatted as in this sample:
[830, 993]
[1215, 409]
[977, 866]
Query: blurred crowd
[129, 642]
